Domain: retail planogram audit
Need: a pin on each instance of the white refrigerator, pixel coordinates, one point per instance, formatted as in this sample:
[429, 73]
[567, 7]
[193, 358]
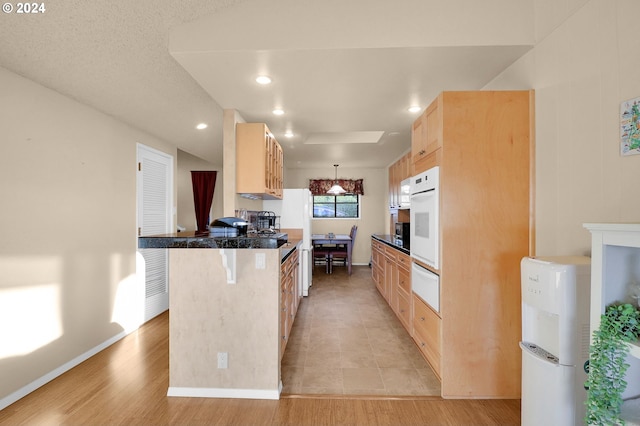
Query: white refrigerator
[555, 339]
[295, 211]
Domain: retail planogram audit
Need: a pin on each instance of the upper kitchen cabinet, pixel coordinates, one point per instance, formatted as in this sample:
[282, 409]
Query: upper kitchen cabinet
[426, 137]
[398, 171]
[259, 162]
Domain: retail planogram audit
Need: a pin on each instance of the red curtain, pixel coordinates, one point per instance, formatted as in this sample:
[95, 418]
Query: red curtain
[204, 184]
[321, 186]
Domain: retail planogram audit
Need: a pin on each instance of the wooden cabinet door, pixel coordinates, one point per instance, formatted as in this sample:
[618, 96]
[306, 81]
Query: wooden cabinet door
[418, 133]
[259, 162]
[284, 314]
[398, 171]
[275, 184]
[433, 127]
[289, 298]
[427, 333]
[485, 230]
[273, 166]
[405, 167]
[295, 290]
[377, 265]
[390, 275]
[393, 194]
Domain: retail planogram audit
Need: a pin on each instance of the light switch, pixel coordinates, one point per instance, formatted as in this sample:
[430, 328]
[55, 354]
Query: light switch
[223, 360]
[261, 262]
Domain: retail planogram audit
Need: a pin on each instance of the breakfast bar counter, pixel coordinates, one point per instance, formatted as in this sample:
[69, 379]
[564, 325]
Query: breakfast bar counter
[225, 303]
[193, 240]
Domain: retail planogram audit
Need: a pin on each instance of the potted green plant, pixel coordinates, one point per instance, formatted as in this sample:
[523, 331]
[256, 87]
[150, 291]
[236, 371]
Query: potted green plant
[607, 363]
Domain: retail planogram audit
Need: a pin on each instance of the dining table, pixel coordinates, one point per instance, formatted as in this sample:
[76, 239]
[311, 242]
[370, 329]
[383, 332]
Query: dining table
[335, 239]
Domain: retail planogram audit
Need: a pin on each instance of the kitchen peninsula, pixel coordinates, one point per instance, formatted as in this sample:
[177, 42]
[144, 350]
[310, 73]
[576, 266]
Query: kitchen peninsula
[228, 300]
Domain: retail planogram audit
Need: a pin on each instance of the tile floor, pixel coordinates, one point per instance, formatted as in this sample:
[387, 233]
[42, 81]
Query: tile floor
[347, 340]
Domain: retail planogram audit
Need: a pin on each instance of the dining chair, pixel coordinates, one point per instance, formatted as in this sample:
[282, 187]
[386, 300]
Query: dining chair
[322, 255]
[341, 252]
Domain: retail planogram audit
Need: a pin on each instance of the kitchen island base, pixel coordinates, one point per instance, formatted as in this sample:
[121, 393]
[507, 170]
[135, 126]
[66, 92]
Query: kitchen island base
[211, 314]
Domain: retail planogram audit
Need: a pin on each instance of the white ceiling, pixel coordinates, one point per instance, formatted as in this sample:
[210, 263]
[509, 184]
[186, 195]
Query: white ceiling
[339, 68]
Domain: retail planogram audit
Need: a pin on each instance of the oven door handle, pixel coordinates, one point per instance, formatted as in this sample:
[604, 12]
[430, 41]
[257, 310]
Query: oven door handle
[423, 192]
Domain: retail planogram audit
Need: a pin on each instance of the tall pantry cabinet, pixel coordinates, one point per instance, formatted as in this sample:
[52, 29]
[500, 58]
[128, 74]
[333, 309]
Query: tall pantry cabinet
[483, 143]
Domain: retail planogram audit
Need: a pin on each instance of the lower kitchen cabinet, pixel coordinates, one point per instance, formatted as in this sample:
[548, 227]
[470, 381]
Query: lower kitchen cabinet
[377, 265]
[427, 332]
[290, 297]
[390, 275]
[390, 269]
[403, 291]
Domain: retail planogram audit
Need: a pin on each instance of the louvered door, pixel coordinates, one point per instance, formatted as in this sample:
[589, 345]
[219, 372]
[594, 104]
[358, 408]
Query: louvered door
[155, 183]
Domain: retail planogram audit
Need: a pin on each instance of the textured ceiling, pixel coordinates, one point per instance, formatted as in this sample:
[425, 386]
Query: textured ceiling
[119, 57]
[112, 55]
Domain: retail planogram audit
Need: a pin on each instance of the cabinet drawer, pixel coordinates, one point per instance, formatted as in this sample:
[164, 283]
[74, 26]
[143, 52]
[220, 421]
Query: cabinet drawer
[428, 161]
[376, 252]
[404, 280]
[391, 253]
[377, 257]
[404, 309]
[427, 332]
[403, 260]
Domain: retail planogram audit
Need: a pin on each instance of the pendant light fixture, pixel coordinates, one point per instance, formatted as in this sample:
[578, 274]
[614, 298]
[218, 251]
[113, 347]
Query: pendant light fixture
[336, 189]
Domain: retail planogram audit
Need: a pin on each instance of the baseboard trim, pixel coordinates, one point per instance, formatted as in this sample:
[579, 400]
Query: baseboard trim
[43, 380]
[223, 393]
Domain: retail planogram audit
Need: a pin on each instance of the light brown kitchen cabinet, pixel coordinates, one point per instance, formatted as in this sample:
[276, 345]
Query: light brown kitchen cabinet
[377, 265]
[427, 332]
[486, 216]
[259, 162]
[394, 191]
[402, 303]
[426, 136]
[289, 297]
[418, 138]
[398, 171]
[392, 275]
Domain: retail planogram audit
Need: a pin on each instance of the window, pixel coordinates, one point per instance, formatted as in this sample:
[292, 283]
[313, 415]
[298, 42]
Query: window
[342, 206]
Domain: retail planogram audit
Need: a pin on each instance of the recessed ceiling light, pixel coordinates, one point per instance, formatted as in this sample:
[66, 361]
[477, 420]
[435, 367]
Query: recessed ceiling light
[414, 108]
[278, 111]
[202, 126]
[263, 79]
[288, 134]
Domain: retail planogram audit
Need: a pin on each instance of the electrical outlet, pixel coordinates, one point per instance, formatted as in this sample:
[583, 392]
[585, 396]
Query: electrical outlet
[223, 360]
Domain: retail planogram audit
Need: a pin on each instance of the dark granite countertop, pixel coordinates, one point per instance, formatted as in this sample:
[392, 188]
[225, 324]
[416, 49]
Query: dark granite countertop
[390, 241]
[204, 240]
[198, 240]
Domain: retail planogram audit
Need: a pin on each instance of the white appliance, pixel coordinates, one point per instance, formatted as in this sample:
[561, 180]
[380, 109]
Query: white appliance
[425, 210]
[295, 211]
[405, 194]
[555, 339]
[426, 284]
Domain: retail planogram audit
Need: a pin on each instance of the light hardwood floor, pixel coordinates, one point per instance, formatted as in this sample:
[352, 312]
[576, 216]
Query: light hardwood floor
[126, 384]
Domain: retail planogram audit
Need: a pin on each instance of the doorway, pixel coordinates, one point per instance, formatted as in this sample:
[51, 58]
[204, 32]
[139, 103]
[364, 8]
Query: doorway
[155, 216]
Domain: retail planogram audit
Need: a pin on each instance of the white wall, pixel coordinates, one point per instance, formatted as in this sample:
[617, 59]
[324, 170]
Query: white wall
[68, 245]
[373, 205]
[582, 69]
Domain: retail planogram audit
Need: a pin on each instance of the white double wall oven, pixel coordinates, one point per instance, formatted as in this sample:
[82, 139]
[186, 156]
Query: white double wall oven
[425, 235]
